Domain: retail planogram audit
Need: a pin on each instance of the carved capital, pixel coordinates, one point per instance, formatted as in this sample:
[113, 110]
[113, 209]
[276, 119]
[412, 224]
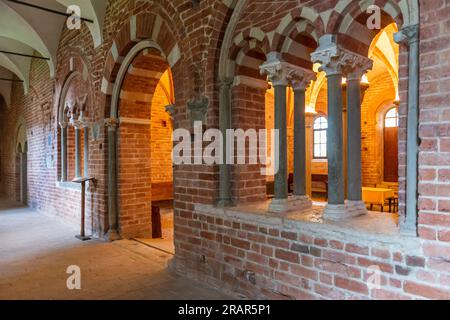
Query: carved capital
[226, 82]
[335, 60]
[170, 109]
[300, 78]
[354, 66]
[111, 123]
[275, 69]
[407, 35]
[198, 108]
[77, 124]
[63, 125]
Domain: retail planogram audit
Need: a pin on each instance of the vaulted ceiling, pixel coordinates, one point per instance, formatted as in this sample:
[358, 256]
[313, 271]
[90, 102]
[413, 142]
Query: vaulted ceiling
[28, 30]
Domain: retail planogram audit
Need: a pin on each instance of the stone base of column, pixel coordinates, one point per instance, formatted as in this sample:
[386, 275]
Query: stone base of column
[293, 203]
[224, 203]
[355, 208]
[344, 211]
[408, 230]
[112, 235]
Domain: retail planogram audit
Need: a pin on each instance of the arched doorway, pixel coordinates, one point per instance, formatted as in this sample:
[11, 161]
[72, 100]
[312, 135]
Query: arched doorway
[21, 164]
[145, 99]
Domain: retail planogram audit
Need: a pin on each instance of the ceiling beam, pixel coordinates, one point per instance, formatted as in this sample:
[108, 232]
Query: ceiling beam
[11, 80]
[49, 10]
[24, 55]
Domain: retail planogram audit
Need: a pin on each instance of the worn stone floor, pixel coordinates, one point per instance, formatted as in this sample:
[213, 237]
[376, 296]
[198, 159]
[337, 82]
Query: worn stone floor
[36, 250]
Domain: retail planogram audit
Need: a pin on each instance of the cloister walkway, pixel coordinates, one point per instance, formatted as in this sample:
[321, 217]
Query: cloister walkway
[36, 250]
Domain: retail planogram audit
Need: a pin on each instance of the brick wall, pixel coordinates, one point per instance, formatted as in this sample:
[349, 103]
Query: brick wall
[289, 259]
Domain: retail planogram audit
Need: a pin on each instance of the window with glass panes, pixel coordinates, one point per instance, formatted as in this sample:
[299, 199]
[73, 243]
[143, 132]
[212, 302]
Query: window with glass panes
[391, 119]
[320, 137]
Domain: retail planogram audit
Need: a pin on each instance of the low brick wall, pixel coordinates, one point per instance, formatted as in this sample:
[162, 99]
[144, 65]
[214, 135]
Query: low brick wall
[268, 257]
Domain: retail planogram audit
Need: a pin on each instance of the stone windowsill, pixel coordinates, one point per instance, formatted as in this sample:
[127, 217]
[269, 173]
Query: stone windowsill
[69, 185]
[373, 229]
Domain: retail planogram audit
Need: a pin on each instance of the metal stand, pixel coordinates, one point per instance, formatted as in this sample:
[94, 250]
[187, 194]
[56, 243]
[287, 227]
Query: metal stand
[82, 181]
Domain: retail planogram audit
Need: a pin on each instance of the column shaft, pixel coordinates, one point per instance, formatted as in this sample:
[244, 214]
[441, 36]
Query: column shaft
[86, 152]
[354, 172]
[64, 153]
[281, 187]
[309, 153]
[334, 141]
[112, 186]
[224, 124]
[299, 143]
[410, 225]
[77, 152]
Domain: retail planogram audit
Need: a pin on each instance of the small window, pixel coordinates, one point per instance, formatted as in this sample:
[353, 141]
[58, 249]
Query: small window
[391, 119]
[320, 137]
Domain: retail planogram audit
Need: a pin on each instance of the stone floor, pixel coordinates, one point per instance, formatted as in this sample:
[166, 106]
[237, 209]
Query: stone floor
[36, 250]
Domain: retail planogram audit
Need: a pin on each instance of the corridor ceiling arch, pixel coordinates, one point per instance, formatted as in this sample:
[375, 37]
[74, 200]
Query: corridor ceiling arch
[33, 28]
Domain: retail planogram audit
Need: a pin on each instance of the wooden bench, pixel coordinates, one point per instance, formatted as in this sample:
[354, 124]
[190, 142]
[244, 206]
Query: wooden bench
[162, 191]
[319, 183]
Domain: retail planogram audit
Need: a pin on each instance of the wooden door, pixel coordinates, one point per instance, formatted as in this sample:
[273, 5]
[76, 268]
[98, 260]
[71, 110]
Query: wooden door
[391, 154]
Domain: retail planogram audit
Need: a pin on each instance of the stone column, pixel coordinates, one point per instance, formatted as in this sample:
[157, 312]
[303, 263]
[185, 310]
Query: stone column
[309, 151]
[300, 79]
[78, 127]
[63, 126]
[409, 35]
[225, 124]
[86, 150]
[354, 70]
[280, 73]
[276, 70]
[332, 57]
[112, 234]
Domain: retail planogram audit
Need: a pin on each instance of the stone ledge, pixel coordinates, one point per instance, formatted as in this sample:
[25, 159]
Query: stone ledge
[70, 185]
[293, 203]
[370, 230]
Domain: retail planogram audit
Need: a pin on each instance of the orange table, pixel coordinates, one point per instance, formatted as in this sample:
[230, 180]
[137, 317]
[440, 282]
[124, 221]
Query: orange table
[377, 196]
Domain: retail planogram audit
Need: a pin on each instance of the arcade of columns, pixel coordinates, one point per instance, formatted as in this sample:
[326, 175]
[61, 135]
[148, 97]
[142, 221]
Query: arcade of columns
[337, 63]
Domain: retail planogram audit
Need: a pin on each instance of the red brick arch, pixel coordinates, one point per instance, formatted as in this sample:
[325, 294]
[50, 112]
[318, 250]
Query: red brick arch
[287, 28]
[144, 26]
[249, 48]
[350, 23]
[147, 40]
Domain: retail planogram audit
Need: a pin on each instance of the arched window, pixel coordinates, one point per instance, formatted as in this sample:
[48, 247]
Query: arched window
[320, 137]
[391, 118]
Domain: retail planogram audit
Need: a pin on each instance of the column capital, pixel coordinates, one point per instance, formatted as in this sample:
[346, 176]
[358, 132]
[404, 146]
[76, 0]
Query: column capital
[275, 69]
[355, 65]
[226, 82]
[336, 60]
[111, 123]
[300, 78]
[170, 109]
[77, 124]
[63, 125]
[407, 35]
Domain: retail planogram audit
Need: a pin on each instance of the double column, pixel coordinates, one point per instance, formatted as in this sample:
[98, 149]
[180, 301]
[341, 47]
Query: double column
[337, 62]
[282, 74]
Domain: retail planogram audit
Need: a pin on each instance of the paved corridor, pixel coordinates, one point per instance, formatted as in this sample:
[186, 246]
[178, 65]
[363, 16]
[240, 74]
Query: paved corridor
[36, 250]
